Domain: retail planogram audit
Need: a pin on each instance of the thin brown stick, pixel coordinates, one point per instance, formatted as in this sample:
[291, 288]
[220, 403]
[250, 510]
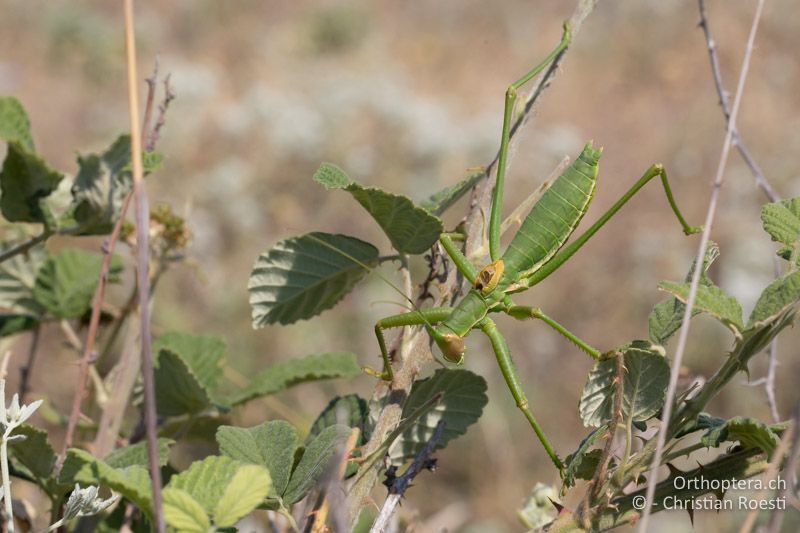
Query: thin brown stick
[685, 323]
[711, 44]
[148, 106]
[169, 96]
[25, 246]
[143, 277]
[26, 370]
[761, 181]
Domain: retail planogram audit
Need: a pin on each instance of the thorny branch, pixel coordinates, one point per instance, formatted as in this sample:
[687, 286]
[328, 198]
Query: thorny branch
[417, 347]
[761, 181]
[685, 322]
[89, 353]
[400, 484]
[142, 271]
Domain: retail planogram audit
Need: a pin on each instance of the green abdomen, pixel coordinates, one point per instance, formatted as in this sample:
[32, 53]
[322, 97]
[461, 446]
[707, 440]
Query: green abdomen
[555, 216]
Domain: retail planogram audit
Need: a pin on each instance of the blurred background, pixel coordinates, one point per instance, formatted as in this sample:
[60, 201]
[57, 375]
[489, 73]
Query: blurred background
[408, 96]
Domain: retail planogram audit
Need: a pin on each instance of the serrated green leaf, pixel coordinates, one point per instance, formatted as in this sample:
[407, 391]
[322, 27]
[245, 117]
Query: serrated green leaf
[646, 381]
[710, 299]
[35, 453]
[201, 430]
[463, 400]
[25, 180]
[666, 317]
[217, 479]
[286, 374]
[749, 432]
[204, 355]
[302, 276]
[439, 202]
[15, 126]
[575, 467]
[411, 229]
[132, 482]
[183, 513]
[354, 413]
[178, 390]
[782, 221]
[644, 385]
[778, 297]
[271, 444]
[315, 462]
[17, 279]
[66, 283]
[102, 183]
[246, 490]
[136, 454]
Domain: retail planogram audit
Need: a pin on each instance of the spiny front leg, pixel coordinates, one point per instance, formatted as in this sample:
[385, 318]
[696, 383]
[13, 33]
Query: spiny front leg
[511, 376]
[421, 317]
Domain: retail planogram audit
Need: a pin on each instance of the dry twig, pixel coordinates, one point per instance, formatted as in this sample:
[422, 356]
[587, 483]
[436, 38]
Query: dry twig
[685, 323]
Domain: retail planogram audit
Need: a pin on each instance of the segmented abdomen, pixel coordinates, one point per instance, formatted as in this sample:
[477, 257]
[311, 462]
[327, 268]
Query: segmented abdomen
[555, 216]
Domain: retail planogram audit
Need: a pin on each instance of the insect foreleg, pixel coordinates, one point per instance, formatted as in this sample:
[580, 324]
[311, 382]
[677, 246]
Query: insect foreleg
[459, 259]
[561, 257]
[522, 312]
[511, 376]
[421, 317]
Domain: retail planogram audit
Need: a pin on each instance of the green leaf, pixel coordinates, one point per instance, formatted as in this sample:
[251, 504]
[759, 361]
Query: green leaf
[183, 513]
[15, 126]
[439, 202]
[315, 462]
[25, 180]
[66, 283]
[646, 380]
[580, 464]
[782, 221]
[178, 390]
[286, 374]
[644, 385]
[749, 432]
[704, 421]
[217, 480]
[776, 299]
[302, 276]
[132, 482]
[204, 355]
[271, 444]
[539, 509]
[666, 317]
[411, 229]
[17, 279]
[463, 400]
[354, 412]
[35, 453]
[136, 454]
[710, 299]
[102, 183]
[11, 323]
[246, 490]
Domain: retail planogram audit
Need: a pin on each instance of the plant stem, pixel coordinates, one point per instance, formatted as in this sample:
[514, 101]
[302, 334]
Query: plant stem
[6, 481]
[25, 246]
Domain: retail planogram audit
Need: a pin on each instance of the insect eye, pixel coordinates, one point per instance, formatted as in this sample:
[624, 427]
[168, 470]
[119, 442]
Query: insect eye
[489, 277]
